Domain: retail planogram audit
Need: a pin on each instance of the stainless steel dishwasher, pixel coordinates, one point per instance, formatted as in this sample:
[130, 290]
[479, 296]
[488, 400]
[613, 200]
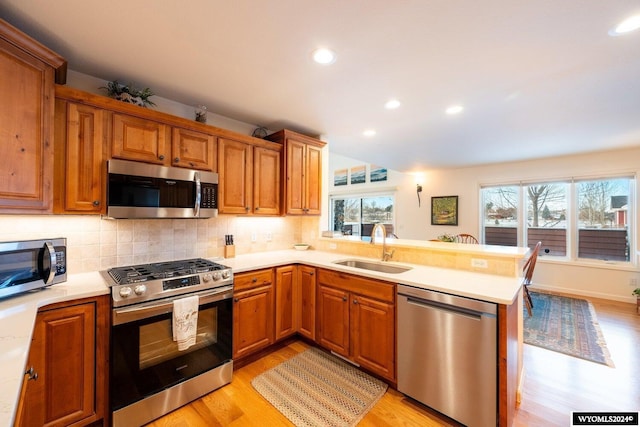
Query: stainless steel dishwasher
[447, 354]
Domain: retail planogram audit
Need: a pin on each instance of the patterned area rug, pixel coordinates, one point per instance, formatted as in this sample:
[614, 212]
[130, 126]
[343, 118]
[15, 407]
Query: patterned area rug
[566, 325]
[317, 389]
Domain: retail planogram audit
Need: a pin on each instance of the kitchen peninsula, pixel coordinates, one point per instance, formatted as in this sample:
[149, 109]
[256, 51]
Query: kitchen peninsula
[505, 290]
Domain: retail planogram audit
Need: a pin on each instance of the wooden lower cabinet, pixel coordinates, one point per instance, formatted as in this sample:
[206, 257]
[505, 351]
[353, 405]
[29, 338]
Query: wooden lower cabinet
[295, 301]
[306, 307]
[253, 305]
[287, 295]
[66, 379]
[356, 319]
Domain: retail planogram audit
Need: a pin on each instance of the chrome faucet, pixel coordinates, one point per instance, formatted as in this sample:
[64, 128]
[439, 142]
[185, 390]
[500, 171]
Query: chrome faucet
[386, 256]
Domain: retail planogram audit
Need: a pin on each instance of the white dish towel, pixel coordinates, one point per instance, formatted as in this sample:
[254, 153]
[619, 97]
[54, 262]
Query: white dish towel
[185, 321]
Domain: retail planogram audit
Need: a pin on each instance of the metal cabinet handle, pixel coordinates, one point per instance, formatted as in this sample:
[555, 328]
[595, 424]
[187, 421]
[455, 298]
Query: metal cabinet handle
[355, 301]
[235, 300]
[96, 203]
[176, 160]
[257, 208]
[254, 280]
[161, 156]
[344, 298]
[246, 208]
[33, 375]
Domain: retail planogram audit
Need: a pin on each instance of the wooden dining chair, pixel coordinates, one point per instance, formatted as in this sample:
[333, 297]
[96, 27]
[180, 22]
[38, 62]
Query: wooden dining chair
[528, 275]
[466, 238]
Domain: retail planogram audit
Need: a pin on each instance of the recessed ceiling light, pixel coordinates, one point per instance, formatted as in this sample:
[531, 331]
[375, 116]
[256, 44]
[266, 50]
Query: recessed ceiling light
[630, 24]
[392, 104]
[454, 109]
[324, 56]
[369, 132]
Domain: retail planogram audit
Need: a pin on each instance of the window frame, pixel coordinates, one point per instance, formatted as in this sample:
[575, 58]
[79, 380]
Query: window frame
[572, 217]
[363, 195]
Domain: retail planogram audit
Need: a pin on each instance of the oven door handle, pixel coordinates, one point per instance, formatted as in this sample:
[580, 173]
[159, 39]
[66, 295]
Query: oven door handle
[144, 311]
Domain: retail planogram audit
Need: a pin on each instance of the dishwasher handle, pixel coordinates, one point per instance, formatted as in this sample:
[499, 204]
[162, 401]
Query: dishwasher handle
[460, 311]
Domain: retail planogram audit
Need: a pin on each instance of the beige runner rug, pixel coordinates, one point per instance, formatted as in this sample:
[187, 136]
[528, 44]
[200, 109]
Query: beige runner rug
[315, 388]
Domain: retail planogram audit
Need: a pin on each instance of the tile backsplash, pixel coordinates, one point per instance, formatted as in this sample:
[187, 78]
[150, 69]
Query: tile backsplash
[96, 244]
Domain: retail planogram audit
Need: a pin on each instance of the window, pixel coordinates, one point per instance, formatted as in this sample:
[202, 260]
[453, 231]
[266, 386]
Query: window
[356, 215]
[579, 219]
[501, 215]
[603, 213]
[547, 217]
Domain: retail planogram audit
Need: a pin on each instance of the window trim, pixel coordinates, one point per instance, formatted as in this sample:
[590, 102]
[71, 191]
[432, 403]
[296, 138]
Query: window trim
[383, 192]
[572, 217]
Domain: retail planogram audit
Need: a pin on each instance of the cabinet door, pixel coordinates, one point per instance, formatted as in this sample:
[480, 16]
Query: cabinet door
[373, 335]
[295, 177]
[139, 139]
[236, 176]
[286, 297]
[266, 181]
[313, 180]
[63, 355]
[193, 150]
[26, 132]
[80, 167]
[333, 319]
[307, 305]
[252, 320]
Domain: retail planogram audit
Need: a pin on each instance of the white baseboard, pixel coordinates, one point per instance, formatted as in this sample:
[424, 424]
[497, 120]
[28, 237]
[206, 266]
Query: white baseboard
[631, 299]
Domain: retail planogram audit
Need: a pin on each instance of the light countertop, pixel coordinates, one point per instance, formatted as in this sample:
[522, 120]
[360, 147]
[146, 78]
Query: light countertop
[17, 314]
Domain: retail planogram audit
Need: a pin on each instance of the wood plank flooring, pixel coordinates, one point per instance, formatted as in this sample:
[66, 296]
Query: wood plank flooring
[555, 385]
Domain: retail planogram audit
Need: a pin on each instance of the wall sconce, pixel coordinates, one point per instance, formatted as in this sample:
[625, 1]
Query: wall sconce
[418, 191]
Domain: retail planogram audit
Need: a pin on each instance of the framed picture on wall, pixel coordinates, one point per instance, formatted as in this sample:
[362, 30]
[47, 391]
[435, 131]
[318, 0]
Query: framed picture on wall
[358, 174]
[444, 210]
[340, 177]
[377, 173]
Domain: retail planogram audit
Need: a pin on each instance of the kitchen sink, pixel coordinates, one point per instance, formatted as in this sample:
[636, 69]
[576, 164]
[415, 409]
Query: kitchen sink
[373, 265]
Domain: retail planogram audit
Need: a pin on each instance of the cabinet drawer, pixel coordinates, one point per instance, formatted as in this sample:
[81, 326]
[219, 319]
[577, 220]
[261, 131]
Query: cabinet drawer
[252, 279]
[377, 289]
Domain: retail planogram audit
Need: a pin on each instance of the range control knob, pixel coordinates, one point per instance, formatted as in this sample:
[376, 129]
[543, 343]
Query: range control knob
[216, 276]
[206, 277]
[140, 289]
[125, 292]
[226, 274]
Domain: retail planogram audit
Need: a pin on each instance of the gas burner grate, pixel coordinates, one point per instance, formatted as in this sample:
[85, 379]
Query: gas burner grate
[162, 270]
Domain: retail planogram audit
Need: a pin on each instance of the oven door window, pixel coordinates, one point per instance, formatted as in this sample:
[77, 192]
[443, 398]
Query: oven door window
[146, 360]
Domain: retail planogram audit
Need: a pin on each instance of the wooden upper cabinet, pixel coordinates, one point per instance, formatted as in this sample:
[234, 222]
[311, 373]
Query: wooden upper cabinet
[266, 181]
[303, 169]
[28, 71]
[236, 177]
[194, 150]
[80, 169]
[249, 178]
[139, 139]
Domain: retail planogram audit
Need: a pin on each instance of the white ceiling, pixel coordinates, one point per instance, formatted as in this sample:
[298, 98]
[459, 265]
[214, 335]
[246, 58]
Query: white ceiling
[536, 78]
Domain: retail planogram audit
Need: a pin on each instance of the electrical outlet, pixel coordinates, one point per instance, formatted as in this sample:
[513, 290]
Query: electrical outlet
[633, 282]
[480, 263]
[333, 246]
[254, 237]
[269, 237]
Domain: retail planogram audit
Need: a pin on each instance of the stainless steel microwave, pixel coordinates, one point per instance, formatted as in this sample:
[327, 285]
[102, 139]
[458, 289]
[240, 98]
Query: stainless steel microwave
[141, 190]
[31, 264]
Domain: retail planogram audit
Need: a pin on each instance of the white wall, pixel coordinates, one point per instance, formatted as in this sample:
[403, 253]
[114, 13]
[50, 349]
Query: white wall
[92, 85]
[410, 219]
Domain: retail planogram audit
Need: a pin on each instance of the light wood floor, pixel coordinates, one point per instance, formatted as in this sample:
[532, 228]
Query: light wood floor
[555, 385]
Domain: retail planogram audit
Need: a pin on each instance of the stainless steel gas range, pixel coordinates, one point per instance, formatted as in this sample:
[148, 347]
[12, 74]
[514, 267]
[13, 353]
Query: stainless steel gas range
[149, 375]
